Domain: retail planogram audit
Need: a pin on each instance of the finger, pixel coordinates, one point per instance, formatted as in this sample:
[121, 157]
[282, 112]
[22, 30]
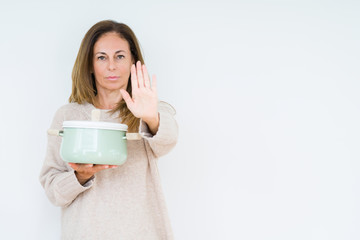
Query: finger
[99, 167]
[146, 77]
[73, 166]
[140, 77]
[134, 81]
[154, 83]
[80, 166]
[128, 100]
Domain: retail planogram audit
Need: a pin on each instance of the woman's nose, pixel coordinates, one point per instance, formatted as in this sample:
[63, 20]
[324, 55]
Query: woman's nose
[112, 65]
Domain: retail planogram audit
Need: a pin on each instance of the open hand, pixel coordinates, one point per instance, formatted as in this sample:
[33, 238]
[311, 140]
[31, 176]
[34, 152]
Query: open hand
[144, 99]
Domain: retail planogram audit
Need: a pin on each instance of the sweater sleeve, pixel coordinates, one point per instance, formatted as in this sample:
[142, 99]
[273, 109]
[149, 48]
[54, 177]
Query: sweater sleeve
[56, 176]
[167, 135]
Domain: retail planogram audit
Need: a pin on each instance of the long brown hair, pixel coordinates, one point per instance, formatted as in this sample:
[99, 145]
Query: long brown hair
[83, 80]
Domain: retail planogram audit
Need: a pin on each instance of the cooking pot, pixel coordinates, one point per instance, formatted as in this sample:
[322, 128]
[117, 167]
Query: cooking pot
[94, 142]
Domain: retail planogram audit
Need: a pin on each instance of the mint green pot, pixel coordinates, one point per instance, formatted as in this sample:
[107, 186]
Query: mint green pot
[93, 142]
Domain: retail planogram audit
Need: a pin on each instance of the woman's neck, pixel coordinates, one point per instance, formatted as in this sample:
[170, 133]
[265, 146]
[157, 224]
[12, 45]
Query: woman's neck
[107, 100]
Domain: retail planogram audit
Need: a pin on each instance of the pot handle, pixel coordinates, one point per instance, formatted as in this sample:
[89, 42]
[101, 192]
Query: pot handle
[132, 136]
[55, 132]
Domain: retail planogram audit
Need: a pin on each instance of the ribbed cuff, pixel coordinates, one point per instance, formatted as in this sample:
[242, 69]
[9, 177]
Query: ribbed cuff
[68, 187]
[144, 130]
[165, 131]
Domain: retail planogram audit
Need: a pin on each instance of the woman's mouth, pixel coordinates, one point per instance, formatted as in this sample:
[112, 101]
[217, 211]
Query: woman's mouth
[112, 78]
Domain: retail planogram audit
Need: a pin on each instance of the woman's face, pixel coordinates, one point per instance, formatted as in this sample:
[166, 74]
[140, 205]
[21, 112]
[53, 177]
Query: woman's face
[111, 62]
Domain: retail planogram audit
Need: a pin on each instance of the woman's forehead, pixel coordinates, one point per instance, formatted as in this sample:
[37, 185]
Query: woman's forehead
[111, 42]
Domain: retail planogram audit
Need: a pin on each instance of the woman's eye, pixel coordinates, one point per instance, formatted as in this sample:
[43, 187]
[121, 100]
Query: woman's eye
[101, 58]
[120, 56]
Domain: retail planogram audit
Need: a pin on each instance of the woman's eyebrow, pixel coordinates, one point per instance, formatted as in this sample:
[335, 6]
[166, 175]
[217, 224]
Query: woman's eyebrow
[115, 52]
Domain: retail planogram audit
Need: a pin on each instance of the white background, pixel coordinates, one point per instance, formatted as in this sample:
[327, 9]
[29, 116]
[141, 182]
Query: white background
[267, 99]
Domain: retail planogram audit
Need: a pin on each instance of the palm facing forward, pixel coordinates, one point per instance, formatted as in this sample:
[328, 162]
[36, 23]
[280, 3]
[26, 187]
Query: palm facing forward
[144, 100]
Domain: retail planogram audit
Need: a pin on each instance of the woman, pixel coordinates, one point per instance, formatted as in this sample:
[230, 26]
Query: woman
[107, 201]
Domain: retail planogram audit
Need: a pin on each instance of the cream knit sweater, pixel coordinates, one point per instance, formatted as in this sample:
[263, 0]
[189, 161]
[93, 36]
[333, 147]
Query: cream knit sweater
[122, 203]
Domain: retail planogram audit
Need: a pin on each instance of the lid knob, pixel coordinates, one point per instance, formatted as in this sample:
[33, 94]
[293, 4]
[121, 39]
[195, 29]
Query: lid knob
[95, 115]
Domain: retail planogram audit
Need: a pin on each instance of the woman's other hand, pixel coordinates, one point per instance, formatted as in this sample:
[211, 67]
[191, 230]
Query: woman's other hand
[144, 100]
[84, 172]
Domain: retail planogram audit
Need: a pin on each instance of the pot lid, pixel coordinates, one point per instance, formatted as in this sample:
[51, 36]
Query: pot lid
[94, 124]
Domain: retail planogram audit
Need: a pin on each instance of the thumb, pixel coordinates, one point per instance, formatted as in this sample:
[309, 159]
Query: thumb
[127, 98]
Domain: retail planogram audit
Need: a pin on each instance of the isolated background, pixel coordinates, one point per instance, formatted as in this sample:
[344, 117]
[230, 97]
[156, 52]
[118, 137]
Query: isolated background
[267, 99]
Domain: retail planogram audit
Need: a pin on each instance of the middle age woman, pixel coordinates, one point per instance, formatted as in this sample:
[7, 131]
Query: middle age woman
[108, 201]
